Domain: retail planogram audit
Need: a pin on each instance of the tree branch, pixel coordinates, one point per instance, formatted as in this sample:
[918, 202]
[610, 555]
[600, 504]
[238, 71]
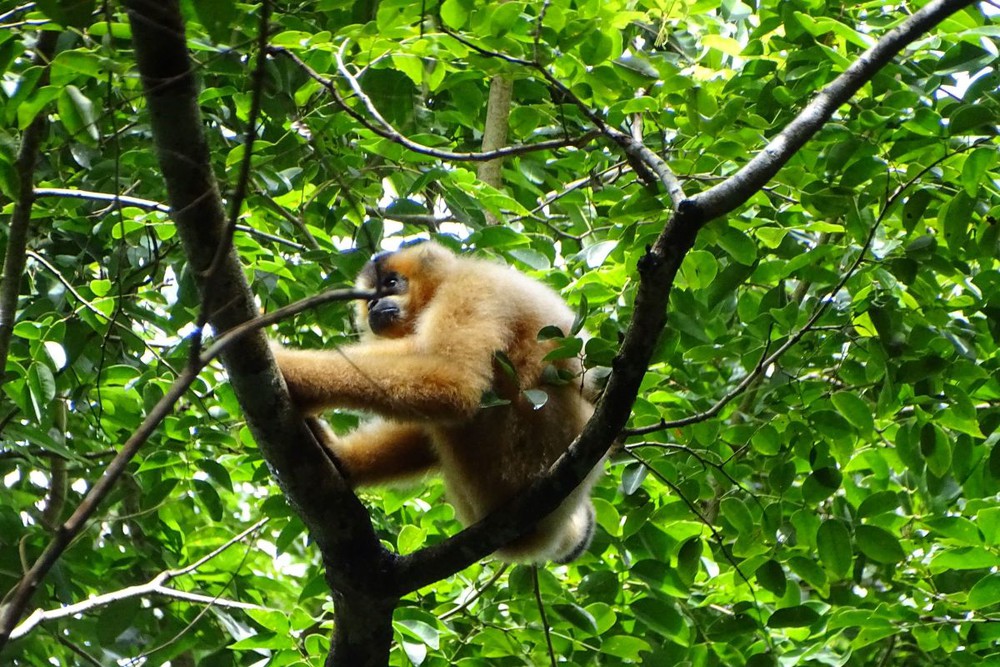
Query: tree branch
[150, 205]
[385, 130]
[359, 570]
[13, 607]
[20, 219]
[495, 133]
[155, 586]
[657, 271]
[738, 188]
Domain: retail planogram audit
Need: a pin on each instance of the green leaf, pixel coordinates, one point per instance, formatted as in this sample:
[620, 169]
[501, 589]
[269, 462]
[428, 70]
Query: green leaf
[936, 449]
[596, 254]
[27, 110]
[878, 503]
[660, 617]
[699, 269]
[218, 17]
[411, 66]
[689, 559]
[975, 168]
[596, 48]
[536, 397]
[739, 246]
[879, 544]
[209, 498]
[771, 576]
[986, 592]
[455, 13]
[217, 472]
[971, 119]
[799, 616]
[504, 16]
[421, 630]
[624, 647]
[957, 218]
[42, 385]
[69, 13]
[736, 512]
[854, 410]
[579, 617]
[833, 542]
[410, 539]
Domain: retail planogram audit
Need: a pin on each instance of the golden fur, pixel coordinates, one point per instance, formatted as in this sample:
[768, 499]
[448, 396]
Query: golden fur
[440, 323]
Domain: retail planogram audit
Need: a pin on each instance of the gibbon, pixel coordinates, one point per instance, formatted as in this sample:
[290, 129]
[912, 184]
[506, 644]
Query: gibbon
[445, 332]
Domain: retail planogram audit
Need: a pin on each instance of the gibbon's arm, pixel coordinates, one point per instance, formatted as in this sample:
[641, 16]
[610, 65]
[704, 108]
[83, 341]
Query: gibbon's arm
[388, 377]
[379, 452]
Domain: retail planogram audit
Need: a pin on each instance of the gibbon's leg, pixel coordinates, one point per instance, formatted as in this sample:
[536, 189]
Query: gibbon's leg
[379, 452]
[389, 377]
[577, 534]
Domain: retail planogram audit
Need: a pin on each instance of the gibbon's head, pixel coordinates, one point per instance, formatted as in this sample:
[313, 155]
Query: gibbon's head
[405, 281]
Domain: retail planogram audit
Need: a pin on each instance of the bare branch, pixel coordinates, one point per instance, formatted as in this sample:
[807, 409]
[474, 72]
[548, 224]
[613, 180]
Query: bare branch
[124, 200]
[383, 129]
[155, 586]
[495, 133]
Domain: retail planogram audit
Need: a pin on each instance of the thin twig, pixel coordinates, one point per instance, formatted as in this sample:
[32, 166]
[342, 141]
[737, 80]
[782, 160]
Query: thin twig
[476, 594]
[242, 180]
[541, 612]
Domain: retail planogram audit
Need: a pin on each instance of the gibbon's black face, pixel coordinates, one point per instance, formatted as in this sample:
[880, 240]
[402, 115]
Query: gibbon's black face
[386, 310]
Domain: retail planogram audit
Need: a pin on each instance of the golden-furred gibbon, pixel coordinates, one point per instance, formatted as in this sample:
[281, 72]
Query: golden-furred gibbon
[444, 332]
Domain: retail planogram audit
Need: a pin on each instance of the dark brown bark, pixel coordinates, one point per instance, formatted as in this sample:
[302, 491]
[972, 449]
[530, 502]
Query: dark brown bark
[359, 570]
[20, 219]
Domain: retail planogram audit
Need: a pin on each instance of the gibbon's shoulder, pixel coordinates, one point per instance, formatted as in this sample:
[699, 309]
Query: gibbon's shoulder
[521, 294]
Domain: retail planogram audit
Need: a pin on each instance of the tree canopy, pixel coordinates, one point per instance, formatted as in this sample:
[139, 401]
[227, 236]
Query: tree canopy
[778, 222]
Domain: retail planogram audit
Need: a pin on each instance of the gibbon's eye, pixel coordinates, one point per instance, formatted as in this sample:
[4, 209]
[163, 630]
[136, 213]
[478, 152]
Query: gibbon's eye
[391, 282]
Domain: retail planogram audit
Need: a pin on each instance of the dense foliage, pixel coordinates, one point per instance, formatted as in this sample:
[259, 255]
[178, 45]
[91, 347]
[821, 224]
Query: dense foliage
[834, 504]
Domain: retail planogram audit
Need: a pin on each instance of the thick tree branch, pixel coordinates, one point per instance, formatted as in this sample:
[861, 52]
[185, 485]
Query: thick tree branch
[358, 568]
[495, 133]
[20, 220]
[657, 271]
[738, 188]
